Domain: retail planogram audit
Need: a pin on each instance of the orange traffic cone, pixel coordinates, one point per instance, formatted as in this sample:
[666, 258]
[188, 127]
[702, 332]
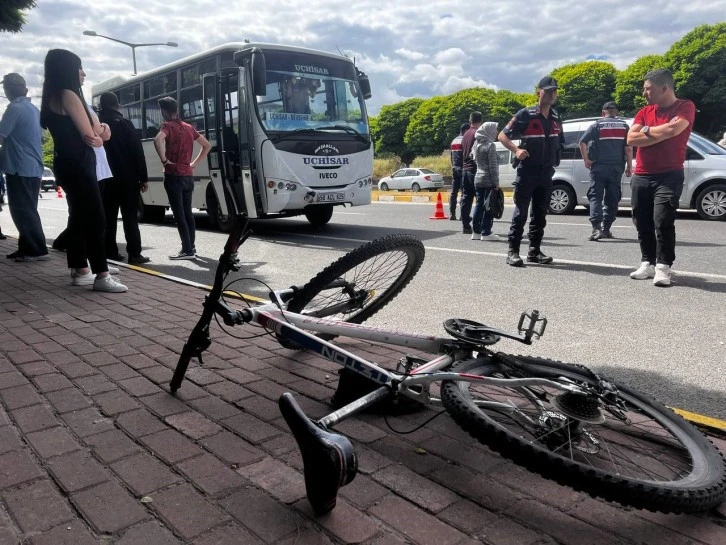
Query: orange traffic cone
[439, 210]
[60, 193]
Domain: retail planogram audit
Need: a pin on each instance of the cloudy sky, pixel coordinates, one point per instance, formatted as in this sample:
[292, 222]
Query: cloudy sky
[408, 47]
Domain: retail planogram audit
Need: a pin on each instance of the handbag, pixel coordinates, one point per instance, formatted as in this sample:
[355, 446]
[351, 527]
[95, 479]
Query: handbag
[496, 203]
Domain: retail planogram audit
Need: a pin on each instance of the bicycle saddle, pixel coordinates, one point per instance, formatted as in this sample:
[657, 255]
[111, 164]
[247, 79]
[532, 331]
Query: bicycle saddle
[329, 461]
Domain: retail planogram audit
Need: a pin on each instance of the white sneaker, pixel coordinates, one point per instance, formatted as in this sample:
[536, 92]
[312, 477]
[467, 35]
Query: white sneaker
[490, 236]
[645, 271]
[82, 279]
[662, 275]
[109, 284]
[475, 236]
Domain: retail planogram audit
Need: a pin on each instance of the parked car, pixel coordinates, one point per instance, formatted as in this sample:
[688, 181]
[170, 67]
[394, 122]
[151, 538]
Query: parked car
[414, 179]
[704, 188]
[47, 181]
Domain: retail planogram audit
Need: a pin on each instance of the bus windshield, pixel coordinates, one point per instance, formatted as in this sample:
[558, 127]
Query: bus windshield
[309, 92]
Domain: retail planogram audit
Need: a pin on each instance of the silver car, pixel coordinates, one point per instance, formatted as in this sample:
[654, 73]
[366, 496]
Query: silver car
[414, 179]
[704, 188]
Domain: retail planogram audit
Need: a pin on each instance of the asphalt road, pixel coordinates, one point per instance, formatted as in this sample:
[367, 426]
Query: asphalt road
[667, 342]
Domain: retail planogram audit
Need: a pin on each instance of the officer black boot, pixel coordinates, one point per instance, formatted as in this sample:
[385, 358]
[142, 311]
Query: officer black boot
[535, 255]
[513, 258]
[596, 234]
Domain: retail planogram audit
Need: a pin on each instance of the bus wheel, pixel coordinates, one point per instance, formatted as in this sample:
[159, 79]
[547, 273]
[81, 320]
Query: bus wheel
[149, 213]
[223, 223]
[319, 215]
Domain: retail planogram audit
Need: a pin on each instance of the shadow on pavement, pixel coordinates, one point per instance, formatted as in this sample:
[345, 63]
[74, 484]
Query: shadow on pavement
[667, 391]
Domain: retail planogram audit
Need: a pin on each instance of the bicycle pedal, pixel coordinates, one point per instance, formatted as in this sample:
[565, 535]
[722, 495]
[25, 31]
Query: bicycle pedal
[408, 362]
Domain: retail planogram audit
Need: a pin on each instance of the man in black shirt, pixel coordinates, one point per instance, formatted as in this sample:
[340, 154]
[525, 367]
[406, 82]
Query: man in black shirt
[457, 164]
[128, 165]
[540, 130]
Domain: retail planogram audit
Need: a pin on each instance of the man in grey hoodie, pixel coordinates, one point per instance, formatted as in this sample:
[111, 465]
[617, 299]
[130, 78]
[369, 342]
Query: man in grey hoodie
[486, 180]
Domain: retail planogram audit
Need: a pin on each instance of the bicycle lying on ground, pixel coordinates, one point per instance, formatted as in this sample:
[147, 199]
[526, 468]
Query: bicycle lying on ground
[560, 420]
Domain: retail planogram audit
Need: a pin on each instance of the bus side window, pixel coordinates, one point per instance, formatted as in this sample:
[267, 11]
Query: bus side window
[152, 118]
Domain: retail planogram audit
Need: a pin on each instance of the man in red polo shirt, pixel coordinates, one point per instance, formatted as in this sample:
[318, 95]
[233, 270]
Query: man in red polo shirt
[174, 143]
[660, 131]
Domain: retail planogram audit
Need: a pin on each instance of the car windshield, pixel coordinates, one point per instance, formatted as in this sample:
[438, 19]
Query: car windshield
[311, 93]
[48, 173]
[426, 171]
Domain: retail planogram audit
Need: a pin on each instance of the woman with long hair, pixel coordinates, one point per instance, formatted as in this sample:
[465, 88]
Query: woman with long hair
[75, 133]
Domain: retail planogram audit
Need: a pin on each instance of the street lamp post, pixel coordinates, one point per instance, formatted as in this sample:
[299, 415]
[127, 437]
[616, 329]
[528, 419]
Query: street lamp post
[131, 45]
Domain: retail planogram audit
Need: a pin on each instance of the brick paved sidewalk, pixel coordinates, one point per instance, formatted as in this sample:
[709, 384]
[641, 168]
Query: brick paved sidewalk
[93, 448]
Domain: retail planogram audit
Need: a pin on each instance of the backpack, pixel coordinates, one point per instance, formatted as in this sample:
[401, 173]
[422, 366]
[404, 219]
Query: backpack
[496, 202]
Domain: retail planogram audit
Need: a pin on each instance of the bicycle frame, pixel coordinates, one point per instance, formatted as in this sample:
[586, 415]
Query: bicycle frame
[299, 328]
[329, 460]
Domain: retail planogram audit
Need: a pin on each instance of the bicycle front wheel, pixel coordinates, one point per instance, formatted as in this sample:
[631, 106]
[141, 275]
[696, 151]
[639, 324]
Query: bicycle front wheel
[635, 452]
[362, 282]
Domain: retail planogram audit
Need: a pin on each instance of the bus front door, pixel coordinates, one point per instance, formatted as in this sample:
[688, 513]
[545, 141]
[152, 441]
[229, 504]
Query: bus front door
[224, 195]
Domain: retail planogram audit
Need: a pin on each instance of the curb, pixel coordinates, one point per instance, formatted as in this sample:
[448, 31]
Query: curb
[420, 197]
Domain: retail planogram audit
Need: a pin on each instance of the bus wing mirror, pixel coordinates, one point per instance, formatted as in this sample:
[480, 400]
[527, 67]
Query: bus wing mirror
[364, 84]
[259, 72]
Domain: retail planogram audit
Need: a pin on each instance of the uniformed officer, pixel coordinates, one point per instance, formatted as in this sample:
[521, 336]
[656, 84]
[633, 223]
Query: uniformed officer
[605, 153]
[457, 164]
[540, 130]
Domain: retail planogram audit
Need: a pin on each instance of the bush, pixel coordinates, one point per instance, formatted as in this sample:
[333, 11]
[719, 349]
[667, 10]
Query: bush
[387, 166]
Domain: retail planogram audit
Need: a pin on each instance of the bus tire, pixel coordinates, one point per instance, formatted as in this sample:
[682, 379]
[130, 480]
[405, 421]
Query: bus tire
[223, 223]
[319, 215]
[149, 213]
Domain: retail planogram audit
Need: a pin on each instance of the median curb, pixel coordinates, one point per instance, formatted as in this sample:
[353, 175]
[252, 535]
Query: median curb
[420, 197]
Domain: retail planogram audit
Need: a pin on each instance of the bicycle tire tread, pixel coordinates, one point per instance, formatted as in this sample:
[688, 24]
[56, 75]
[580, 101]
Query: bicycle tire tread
[620, 490]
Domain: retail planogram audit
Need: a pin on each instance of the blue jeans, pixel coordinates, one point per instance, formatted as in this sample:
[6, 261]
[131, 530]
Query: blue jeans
[467, 198]
[23, 201]
[604, 194]
[532, 185]
[483, 219]
[179, 189]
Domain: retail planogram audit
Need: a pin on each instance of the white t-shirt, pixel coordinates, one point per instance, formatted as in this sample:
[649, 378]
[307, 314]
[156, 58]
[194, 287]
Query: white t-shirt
[103, 170]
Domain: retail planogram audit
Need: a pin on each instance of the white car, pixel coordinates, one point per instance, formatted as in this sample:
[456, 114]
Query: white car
[47, 181]
[414, 179]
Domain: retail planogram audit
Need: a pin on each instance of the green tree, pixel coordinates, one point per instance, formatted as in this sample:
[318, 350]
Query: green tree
[390, 128]
[698, 61]
[584, 87]
[437, 121]
[629, 83]
[47, 142]
[423, 134]
[12, 17]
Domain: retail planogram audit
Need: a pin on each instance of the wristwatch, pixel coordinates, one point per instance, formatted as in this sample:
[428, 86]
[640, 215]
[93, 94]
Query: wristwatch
[646, 131]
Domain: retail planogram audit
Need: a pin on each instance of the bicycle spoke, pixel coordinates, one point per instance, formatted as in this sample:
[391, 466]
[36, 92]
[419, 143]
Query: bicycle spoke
[641, 447]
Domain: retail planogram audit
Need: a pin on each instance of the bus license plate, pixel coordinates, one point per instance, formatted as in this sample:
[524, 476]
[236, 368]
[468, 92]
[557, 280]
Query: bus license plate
[330, 197]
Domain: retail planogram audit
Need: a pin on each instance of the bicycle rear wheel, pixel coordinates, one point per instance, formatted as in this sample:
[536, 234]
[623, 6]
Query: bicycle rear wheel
[362, 282]
[641, 454]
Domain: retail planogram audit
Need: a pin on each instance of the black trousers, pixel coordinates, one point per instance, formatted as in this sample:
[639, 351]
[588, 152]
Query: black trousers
[455, 188]
[532, 185]
[86, 221]
[121, 195]
[655, 200]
